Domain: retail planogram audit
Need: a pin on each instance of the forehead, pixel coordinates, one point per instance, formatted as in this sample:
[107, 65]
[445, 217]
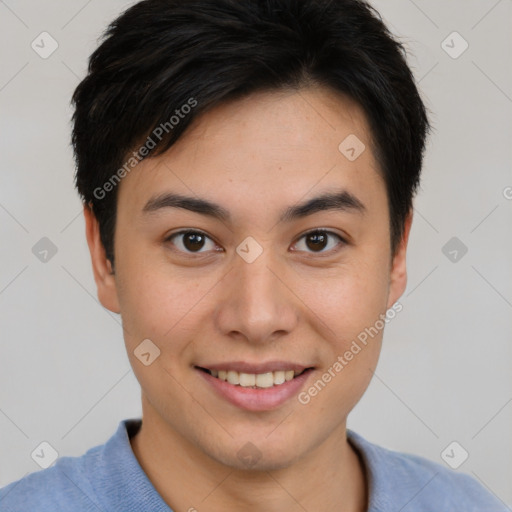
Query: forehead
[267, 148]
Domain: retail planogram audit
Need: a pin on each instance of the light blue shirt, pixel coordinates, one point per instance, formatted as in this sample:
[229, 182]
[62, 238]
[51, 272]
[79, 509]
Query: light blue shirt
[108, 478]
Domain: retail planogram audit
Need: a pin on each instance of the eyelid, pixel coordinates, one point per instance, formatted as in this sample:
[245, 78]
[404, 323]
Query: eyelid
[169, 237]
[320, 229]
[327, 231]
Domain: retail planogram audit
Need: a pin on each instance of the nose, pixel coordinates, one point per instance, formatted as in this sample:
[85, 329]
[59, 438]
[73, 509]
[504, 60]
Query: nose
[256, 303]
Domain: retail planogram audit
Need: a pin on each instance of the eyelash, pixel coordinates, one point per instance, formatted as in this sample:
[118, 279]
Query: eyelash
[342, 241]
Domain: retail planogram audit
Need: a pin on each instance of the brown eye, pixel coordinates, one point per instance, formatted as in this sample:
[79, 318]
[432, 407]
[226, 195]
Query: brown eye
[318, 240]
[191, 241]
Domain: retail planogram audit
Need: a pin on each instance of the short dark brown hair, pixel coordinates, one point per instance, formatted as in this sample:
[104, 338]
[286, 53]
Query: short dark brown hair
[162, 55]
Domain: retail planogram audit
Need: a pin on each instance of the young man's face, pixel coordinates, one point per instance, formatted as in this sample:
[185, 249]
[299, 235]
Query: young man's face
[255, 294]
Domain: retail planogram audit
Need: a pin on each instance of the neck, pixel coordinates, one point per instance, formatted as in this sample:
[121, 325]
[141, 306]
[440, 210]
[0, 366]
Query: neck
[330, 478]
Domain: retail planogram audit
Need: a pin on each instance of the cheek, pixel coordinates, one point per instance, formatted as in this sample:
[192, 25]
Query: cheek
[350, 306]
[347, 301]
[149, 305]
[161, 302]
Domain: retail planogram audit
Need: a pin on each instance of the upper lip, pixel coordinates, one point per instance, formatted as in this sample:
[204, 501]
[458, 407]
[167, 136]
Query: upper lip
[256, 368]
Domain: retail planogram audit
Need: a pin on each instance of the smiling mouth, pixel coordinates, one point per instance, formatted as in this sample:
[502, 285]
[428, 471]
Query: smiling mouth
[255, 380]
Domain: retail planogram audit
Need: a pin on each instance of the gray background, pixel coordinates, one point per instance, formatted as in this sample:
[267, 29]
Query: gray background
[444, 373]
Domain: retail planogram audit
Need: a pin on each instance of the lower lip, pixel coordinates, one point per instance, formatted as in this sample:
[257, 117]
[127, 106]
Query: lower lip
[257, 399]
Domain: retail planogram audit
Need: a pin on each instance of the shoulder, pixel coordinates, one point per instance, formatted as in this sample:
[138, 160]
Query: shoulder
[61, 487]
[419, 484]
[438, 485]
[107, 477]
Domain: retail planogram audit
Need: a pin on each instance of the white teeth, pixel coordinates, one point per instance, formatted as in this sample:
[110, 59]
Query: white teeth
[233, 377]
[265, 380]
[260, 380]
[279, 377]
[247, 379]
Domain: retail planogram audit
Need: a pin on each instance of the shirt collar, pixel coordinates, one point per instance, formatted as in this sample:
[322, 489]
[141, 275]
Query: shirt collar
[120, 479]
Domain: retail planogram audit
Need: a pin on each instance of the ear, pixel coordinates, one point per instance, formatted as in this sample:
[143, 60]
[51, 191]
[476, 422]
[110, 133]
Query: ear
[101, 266]
[398, 276]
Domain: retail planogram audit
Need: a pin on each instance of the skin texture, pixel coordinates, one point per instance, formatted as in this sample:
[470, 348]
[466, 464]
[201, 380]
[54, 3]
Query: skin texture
[254, 157]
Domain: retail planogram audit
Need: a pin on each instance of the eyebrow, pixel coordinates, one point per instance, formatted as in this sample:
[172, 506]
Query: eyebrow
[342, 200]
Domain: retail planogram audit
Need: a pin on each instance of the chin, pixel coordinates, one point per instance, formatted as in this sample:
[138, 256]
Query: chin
[258, 455]
[259, 462]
